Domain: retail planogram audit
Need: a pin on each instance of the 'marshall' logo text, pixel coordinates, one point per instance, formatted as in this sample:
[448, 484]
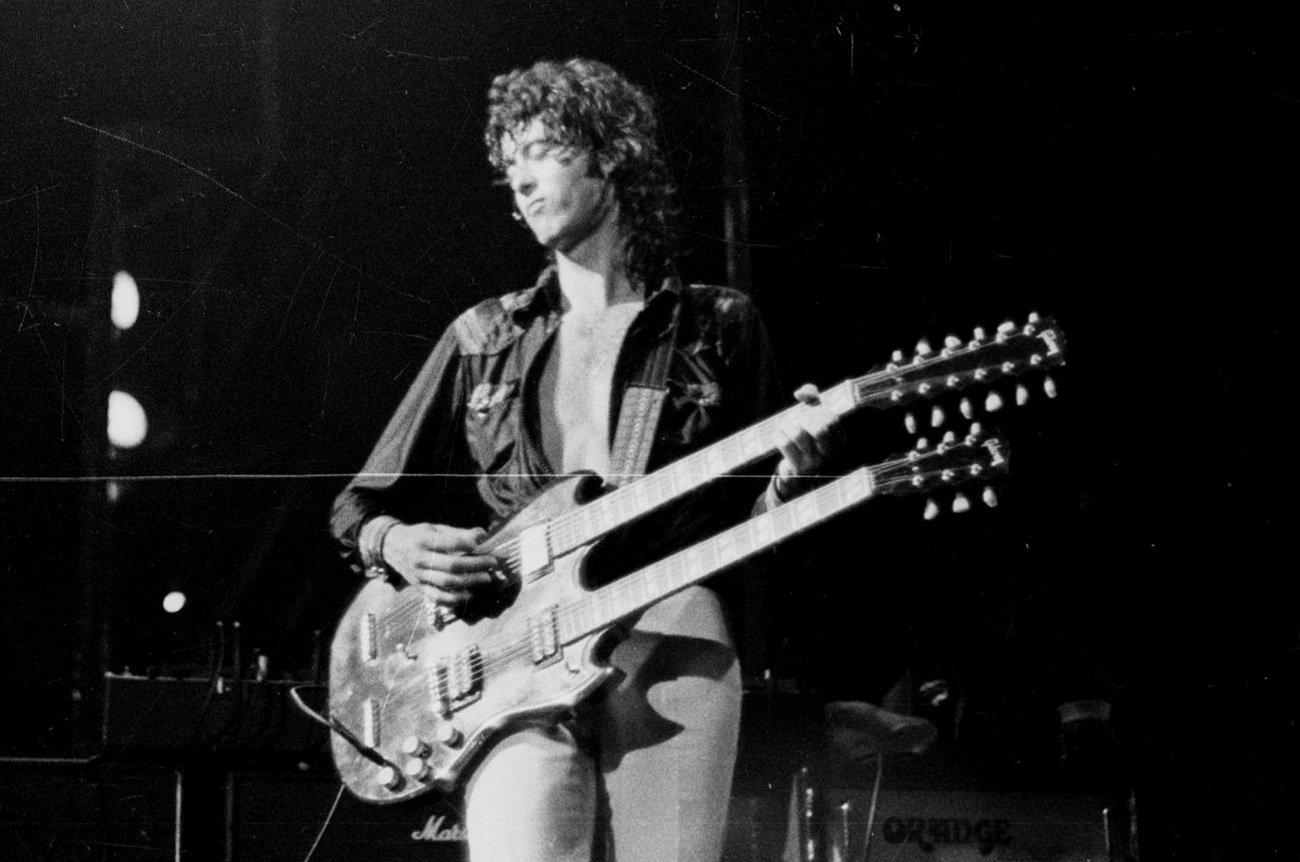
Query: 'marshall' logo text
[435, 831]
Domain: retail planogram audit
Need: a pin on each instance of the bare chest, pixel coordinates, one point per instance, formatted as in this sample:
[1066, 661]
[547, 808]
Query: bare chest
[577, 386]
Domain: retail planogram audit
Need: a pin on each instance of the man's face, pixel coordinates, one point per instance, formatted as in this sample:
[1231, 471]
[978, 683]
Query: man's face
[560, 192]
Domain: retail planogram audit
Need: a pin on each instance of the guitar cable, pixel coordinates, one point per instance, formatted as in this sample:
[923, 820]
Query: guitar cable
[341, 729]
[337, 726]
[871, 809]
[329, 818]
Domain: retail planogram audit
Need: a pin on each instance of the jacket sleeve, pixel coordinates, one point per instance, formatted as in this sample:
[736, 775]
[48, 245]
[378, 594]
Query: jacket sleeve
[423, 435]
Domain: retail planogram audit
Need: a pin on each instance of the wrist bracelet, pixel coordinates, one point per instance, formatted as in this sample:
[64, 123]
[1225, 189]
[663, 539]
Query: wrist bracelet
[371, 547]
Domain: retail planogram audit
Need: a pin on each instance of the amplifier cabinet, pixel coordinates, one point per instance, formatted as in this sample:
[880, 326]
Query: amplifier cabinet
[965, 826]
[280, 816]
[58, 810]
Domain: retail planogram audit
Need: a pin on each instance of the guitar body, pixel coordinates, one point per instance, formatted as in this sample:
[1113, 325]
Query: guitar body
[425, 697]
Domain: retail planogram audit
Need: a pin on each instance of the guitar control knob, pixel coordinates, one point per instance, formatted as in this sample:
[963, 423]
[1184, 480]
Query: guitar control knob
[417, 769]
[450, 735]
[390, 778]
[413, 746]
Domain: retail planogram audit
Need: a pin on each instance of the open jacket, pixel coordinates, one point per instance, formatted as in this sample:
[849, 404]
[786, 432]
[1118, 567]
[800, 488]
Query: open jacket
[469, 416]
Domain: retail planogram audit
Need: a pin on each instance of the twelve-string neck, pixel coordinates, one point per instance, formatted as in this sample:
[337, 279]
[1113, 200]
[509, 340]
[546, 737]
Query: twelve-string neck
[629, 502]
[957, 365]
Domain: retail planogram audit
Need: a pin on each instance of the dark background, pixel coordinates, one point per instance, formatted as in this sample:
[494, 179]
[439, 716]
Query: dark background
[300, 190]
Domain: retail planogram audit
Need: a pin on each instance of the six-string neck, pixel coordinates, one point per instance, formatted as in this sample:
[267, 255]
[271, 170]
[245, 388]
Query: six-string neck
[631, 593]
[917, 472]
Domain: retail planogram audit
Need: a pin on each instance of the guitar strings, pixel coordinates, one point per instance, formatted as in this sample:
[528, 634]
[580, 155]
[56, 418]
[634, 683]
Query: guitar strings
[497, 652]
[574, 529]
[566, 532]
[567, 529]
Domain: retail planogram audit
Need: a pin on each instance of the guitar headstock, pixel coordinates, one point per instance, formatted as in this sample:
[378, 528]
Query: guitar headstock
[1013, 350]
[951, 463]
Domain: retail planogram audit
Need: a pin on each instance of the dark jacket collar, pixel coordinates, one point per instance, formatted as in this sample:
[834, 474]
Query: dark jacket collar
[544, 299]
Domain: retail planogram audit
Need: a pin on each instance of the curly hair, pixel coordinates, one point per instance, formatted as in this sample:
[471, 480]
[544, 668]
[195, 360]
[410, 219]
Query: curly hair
[588, 105]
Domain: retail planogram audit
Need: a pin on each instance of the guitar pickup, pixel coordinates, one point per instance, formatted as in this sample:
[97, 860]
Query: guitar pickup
[368, 638]
[458, 680]
[370, 722]
[544, 635]
[534, 552]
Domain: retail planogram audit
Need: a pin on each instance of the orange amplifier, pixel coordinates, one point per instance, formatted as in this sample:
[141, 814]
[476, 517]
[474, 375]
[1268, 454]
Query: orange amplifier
[961, 826]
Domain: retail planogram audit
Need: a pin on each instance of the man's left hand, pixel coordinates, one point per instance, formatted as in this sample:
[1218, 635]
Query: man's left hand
[804, 441]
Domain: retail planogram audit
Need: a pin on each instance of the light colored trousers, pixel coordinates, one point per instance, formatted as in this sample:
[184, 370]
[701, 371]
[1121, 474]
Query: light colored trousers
[649, 776]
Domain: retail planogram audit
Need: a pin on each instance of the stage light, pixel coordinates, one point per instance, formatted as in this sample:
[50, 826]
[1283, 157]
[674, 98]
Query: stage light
[124, 306]
[173, 601]
[127, 423]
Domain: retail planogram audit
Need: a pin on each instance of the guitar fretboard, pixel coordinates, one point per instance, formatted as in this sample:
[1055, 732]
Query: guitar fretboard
[637, 498]
[642, 588]
[1012, 351]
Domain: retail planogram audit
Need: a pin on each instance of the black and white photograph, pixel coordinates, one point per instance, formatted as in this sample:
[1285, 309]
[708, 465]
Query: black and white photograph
[666, 431]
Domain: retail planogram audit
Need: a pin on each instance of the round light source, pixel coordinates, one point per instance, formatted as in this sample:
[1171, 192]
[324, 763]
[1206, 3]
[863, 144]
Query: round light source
[127, 424]
[124, 306]
[173, 601]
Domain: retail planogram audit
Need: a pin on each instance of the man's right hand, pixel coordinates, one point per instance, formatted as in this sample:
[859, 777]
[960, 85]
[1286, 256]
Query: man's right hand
[440, 560]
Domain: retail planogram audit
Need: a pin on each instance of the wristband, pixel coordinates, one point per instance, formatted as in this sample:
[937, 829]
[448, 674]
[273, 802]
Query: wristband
[371, 545]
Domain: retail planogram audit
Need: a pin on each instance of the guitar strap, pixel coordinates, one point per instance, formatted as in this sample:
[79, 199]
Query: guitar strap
[639, 415]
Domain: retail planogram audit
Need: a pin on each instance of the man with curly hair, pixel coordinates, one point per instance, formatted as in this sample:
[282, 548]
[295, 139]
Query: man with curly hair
[528, 387]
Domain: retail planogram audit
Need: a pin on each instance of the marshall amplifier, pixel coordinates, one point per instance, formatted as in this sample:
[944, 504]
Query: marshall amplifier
[281, 815]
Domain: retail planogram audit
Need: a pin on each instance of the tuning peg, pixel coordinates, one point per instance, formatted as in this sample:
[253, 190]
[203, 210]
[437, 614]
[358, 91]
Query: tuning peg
[1049, 386]
[967, 411]
[980, 335]
[922, 444]
[936, 416]
[1005, 329]
[950, 344]
[909, 422]
[976, 429]
[931, 510]
[960, 503]
[990, 497]
[993, 403]
[1034, 319]
[923, 348]
[949, 438]
[1022, 395]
